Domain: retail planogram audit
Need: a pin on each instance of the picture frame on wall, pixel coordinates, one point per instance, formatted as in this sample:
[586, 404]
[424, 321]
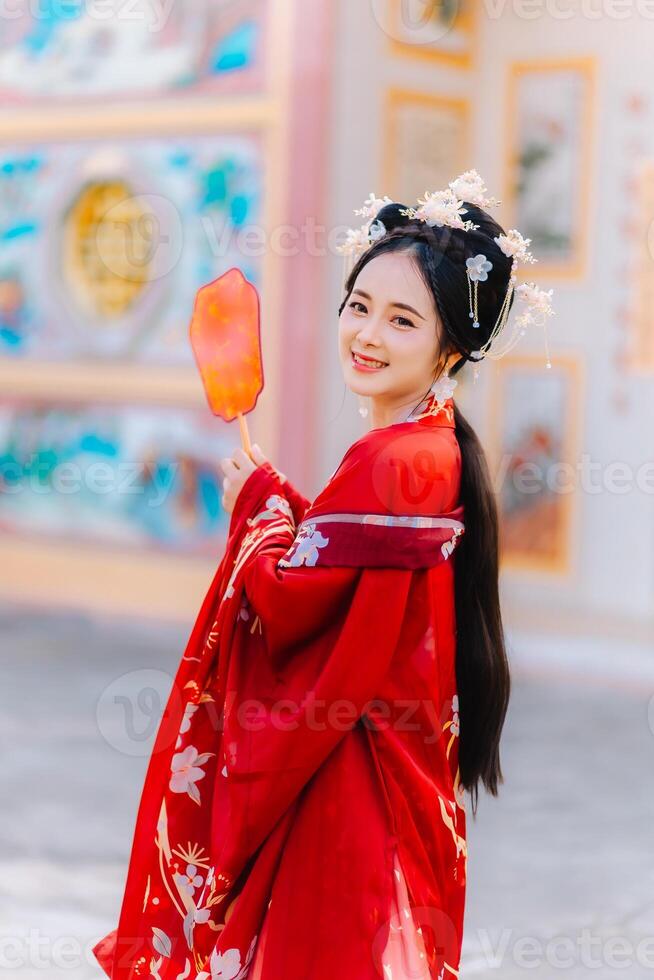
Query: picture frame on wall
[440, 31]
[534, 440]
[640, 314]
[426, 142]
[548, 173]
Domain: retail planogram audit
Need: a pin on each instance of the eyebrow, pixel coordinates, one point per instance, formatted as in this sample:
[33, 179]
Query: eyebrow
[399, 306]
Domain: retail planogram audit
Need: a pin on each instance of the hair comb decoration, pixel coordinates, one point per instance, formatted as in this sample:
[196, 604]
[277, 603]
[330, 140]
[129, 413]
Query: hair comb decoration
[446, 207]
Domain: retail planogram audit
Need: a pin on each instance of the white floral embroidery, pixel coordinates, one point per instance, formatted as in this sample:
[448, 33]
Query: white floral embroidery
[447, 547]
[161, 942]
[227, 965]
[275, 505]
[186, 971]
[201, 915]
[307, 544]
[277, 518]
[190, 881]
[455, 716]
[189, 711]
[185, 771]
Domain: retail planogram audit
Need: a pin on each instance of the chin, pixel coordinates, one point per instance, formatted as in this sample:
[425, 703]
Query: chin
[358, 384]
[355, 385]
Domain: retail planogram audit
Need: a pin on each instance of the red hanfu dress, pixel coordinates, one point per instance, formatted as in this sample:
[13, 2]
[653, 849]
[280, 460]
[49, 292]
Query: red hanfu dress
[302, 816]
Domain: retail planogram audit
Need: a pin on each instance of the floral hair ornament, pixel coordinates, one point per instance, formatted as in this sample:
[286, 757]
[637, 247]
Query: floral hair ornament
[536, 304]
[477, 270]
[359, 240]
[446, 207]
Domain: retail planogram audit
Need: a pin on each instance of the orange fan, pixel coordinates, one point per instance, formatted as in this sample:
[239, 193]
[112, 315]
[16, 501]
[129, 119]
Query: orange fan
[226, 341]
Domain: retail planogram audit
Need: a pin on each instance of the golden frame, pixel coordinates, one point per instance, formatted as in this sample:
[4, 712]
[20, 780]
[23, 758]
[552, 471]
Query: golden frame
[467, 22]
[640, 355]
[586, 67]
[129, 583]
[396, 98]
[561, 566]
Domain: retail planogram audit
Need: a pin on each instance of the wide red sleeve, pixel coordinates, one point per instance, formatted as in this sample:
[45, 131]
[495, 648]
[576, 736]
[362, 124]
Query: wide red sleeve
[292, 604]
[291, 698]
[405, 474]
[264, 480]
[308, 651]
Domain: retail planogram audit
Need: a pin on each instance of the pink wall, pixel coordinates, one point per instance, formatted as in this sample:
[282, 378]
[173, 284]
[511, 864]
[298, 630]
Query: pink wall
[304, 292]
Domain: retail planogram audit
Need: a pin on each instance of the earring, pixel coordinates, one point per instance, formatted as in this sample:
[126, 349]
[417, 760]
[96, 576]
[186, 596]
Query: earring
[477, 270]
[363, 407]
[443, 387]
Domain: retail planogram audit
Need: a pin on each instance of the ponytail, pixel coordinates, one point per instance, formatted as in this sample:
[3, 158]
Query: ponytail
[482, 667]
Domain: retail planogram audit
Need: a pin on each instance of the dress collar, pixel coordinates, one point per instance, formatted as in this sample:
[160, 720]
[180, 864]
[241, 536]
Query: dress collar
[436, 412]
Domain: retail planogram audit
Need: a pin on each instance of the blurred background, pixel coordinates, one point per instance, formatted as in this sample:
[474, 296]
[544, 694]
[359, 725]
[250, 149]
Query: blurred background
[145, 148]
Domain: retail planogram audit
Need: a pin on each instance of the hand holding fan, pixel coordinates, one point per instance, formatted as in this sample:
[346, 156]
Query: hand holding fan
[226, 341]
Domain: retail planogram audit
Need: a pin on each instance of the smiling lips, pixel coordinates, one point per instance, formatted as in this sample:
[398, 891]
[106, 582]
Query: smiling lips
[368, 363]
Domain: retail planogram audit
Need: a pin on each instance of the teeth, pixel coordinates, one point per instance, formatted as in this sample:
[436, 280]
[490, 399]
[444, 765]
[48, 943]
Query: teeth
[359, 360]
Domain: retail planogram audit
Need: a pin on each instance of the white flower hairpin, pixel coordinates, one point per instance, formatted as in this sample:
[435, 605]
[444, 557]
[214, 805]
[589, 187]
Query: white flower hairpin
[445, 208]
[441, 208]
[372, 206]
[358, 240]
[470, 187]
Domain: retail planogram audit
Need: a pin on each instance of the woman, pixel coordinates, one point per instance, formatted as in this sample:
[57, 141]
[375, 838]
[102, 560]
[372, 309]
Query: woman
[346, 681]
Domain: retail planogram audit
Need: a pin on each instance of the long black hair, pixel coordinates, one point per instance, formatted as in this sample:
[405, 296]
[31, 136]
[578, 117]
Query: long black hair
[482, 668]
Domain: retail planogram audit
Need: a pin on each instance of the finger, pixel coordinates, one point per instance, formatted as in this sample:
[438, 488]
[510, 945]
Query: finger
[257, 455]
[242, 459]
[228, 465]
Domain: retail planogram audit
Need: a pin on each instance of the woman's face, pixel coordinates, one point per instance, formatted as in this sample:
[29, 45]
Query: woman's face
[390, 316]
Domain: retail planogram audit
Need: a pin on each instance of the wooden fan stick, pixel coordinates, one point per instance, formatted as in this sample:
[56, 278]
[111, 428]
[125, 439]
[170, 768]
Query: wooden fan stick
[245, 435]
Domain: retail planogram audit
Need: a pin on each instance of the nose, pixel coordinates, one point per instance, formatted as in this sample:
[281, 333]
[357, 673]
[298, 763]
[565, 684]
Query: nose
[370, 332]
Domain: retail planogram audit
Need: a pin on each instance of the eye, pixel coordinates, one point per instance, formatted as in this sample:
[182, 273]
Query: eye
[356, 302]
[405, 322]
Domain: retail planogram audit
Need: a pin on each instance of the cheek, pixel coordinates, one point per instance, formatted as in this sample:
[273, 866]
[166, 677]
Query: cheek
[410, 352]
[345, 329]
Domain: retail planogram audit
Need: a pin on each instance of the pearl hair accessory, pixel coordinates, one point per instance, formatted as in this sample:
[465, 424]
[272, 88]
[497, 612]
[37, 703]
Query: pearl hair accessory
[446, 207]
